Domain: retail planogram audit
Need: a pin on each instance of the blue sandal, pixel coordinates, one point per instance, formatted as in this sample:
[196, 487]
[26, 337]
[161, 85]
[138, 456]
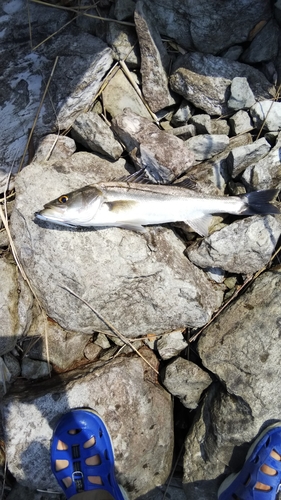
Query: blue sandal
[243, 486]
[82, 457]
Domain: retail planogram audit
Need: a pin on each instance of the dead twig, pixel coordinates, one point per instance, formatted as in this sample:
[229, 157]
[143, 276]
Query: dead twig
[110, 326]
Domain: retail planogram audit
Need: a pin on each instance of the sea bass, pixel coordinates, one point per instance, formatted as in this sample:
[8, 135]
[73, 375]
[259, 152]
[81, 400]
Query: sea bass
[133, 205]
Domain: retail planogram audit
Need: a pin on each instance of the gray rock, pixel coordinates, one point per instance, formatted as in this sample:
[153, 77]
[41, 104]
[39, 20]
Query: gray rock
[241, 95]
[182, 115]
[267, 114]
[102, 341]
[264, 46]
[33, 369]
[186, 381]
[64, 348]
[220, 127]
[266, 173]
[204, 80]
[225, 349]
[170, 154]
[91, 130]
[20, 492]
[135, 408]
[115, 270]
[205, 146]
[53, 147]
[155, 60]
[8, 306]
[202, 124]
[171, 345]
[245, 246]
[240, 122]
[184, 132]
[5, 377]
[13, 366]
[123, 41]
[119, 94]
[243, 156]
[92, 351]
[233, 53]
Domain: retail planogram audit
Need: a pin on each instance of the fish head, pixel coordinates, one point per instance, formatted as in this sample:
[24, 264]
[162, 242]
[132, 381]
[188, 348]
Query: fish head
[76, 208]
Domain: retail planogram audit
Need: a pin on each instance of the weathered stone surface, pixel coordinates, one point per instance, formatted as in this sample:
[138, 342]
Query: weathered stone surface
[171, 345]
[123, 41]
[91, 130]
[243, 156]
[206, 146]
[33, 369]
[54, 146]
[155, 60]
[266, 173]
[264, 46]
[171, 155]
[182, 115]
[8, 306]
[115, 270]
[267, 114]
[186, 381]
[119, 94]
[242, 365]
[202, 123]
[240, 122]
[136, 410]
[245, 246]
[204, 80]
[241, 95]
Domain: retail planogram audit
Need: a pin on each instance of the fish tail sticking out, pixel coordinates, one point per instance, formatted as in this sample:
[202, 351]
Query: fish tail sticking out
[259, 202]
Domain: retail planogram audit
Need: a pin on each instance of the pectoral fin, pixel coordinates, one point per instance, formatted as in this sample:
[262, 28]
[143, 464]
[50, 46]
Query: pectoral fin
[201, 224]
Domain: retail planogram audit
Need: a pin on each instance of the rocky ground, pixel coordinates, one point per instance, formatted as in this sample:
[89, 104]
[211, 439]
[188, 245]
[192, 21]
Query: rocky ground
[173, 338]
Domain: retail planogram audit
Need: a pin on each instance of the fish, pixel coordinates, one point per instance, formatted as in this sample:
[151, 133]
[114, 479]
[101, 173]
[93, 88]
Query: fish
[130, 205]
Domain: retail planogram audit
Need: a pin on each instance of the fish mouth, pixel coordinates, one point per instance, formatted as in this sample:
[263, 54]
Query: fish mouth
[49, 216]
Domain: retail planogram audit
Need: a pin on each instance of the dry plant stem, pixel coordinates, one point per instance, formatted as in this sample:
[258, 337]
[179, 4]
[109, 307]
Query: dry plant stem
[246, 283]
[37, 114]
[78, 12]
[111, 327]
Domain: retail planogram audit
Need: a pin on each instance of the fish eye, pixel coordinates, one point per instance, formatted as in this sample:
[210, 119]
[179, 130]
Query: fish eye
[63, 198]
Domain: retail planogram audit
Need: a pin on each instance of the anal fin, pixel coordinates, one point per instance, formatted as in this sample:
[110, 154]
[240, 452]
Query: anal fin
[200, 224]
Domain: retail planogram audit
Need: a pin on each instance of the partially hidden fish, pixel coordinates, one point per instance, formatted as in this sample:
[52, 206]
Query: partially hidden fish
[133, 205]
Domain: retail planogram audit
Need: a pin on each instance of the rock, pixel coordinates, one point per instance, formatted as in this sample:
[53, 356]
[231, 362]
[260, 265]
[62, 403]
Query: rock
[136, 410]
[64, 348]
[245, 246]
[220, 434]
[53, 147]
[123, 41]
[204, 80]
[170, 153]
[202, 124]
[8, 306]
[32, 369]
[225, 348]
[92, 351]
[171, 345]
[241, 95]
[155, 60]
[91, 130]
[220, 127]
[20, 492]
[13, 366]
[102, 341]
[117, 271]
[186, 381]
[240, 122]
[233, 53]
[267, 114]
[243, 156]
[185, 132]
[266, 173]
[182, 115]
[264, 46]
[205, 146]
[119, 94]
[5, 377]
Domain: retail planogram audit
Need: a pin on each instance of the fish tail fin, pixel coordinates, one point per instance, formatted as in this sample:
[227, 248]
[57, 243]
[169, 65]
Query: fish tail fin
[259, 202]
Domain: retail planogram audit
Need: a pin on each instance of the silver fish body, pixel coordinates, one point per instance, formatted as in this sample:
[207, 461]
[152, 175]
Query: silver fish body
[132, 206]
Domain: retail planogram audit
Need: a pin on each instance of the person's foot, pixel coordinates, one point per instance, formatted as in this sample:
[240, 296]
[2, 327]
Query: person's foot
[82, 457]
[260, 476]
